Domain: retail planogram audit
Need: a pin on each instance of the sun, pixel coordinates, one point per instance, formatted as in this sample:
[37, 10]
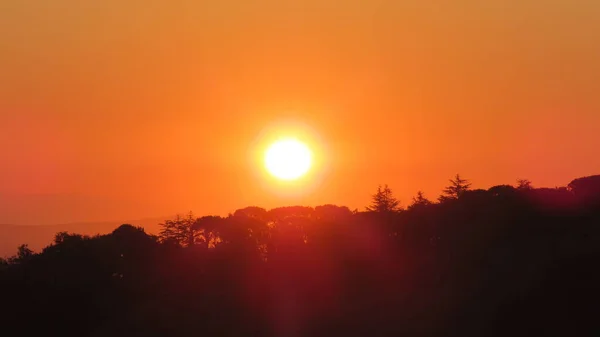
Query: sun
[288, 159]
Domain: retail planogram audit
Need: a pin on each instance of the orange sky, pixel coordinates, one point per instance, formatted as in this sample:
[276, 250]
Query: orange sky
[115, 109]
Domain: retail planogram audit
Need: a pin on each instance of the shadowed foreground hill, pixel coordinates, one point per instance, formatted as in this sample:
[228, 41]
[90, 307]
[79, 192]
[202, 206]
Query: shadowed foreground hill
[499, 262]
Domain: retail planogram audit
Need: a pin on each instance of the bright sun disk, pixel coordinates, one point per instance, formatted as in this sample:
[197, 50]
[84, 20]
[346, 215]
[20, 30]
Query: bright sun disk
[288, 159]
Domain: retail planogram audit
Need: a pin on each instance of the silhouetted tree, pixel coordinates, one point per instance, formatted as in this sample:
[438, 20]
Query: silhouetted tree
[586, 189]
[182, 230]
[524, 185]
[419, 200]
[384, 201]
[62, 237]
[24, 253]
[290, 211]
[332, 212]
[206, 227]
[502, 190]
[457, 188]
[253, 212]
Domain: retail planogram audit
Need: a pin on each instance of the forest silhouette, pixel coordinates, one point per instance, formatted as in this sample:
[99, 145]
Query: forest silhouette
[506, 261]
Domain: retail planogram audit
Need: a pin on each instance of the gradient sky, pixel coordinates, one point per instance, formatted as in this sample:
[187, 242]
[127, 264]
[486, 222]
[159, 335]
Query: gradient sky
[116, 109]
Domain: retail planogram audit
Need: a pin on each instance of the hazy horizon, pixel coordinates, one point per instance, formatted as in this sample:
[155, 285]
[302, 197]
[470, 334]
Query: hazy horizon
[94, 215]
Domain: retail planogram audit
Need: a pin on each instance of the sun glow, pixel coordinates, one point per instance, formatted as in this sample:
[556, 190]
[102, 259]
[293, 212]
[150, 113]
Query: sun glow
[288, 159]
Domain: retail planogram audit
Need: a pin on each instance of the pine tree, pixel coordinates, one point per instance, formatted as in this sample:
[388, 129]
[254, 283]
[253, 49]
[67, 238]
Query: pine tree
[457, 188]
[384, 201]
[419, 200]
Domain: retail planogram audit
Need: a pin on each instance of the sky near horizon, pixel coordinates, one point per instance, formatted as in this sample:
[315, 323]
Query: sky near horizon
[120, 110]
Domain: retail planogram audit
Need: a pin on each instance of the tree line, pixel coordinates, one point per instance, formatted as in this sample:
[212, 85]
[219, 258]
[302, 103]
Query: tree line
[503, 261]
